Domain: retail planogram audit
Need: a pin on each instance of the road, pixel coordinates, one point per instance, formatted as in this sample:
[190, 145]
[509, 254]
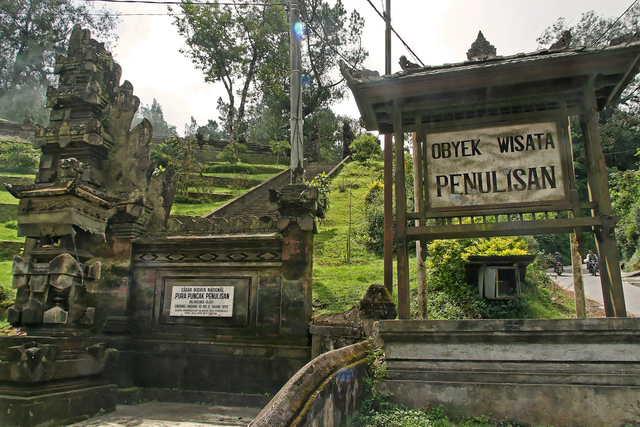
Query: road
[593, 288]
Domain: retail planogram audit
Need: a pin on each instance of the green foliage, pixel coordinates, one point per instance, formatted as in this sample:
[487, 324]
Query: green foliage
[499, 246]
[620, 138]
[323, 127]
[7, 293]
[323, 184]
[179, 153]
[231, 168]
[374, 399]
[212, 132]
[372, 229]
[33, 33]
[552, 243]
[232, 152]
[451, 297]
[26, 101]
[332, 34]
[18, 156]
[625, 197]
[366, 147]
[279, 148]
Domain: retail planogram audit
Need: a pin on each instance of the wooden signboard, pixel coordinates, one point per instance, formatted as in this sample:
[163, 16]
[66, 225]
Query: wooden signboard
[496, 167]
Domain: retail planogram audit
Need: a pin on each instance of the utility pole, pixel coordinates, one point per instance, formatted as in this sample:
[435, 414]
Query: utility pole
[297, 150]
[388, 171]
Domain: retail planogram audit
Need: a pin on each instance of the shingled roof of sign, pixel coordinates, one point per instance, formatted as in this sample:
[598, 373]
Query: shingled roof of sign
[479, 60]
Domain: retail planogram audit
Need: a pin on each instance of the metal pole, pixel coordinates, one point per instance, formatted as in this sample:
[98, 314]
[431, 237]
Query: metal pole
[297, 150]
[388, 173]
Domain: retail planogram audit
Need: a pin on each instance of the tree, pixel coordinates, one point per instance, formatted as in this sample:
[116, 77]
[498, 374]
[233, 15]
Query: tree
[620, 136]
[279, 148]
[231, 152]
[233, 45]
[246, 47]
[597, 31]
[330, 35]
[211, 131]
[180, 153]
[365, 147]
[155, 115]
[32, 33]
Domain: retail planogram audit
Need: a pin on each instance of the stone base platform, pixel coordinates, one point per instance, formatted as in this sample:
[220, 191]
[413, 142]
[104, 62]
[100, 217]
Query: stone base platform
[560, 372]
[56, 403]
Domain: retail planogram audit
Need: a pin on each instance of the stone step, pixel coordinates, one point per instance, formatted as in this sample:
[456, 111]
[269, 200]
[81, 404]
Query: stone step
[260, 204]
[170, 414]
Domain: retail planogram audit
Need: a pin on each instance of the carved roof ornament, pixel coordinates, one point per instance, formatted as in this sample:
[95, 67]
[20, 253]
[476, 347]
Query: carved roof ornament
[407, 65]
[359, 75]
[563, 43]
[481, 49]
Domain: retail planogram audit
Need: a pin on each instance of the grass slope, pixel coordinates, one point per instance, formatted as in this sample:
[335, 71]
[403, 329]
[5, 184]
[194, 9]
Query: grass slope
[341, 277]
[339, 283]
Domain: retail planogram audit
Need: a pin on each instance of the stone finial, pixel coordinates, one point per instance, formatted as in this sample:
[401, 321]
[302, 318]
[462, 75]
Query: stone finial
[407, 65]
[481, 49]
[378, 304]
[563, 42]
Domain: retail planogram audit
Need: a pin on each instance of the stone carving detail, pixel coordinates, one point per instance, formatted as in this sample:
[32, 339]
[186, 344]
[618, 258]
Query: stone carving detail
[32, 361]
[481, 49]
[236, 256]
[407, 65]
[563, 43]
[53, 292]
[235, 225]
[358, 75]
[102, 355]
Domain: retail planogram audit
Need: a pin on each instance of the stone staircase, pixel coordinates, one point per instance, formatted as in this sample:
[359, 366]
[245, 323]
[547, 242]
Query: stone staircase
[256, 201]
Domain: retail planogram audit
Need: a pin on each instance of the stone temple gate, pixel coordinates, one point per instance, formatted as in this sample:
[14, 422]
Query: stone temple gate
[113, 294]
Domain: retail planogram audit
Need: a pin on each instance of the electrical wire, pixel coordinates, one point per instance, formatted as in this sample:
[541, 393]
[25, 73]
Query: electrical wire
[163, 2]
[307, 25]
[384, 18]
[614, 23]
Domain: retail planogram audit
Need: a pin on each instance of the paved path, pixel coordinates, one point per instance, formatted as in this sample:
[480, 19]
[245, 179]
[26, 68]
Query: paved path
[167, 414]
[593, 288]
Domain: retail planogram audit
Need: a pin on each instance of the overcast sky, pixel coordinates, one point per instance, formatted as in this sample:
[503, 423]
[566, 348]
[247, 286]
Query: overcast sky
[438, 32]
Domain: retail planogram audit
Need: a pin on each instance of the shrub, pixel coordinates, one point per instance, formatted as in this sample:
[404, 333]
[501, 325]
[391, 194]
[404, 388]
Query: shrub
[451, 297]
[231, 152]
[19, 156]
[365, 148]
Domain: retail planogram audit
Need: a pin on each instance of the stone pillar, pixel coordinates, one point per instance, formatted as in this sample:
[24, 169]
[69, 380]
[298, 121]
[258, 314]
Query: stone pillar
[298, 207]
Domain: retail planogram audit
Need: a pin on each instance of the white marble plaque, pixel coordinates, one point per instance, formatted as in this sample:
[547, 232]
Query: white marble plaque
[202, 301]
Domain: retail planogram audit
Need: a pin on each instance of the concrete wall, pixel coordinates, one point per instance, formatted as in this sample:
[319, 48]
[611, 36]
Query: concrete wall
[326, 392]
[562, 372]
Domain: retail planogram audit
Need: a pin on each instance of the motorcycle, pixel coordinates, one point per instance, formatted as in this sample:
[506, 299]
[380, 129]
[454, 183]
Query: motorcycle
[593, 267]
[559, 268]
